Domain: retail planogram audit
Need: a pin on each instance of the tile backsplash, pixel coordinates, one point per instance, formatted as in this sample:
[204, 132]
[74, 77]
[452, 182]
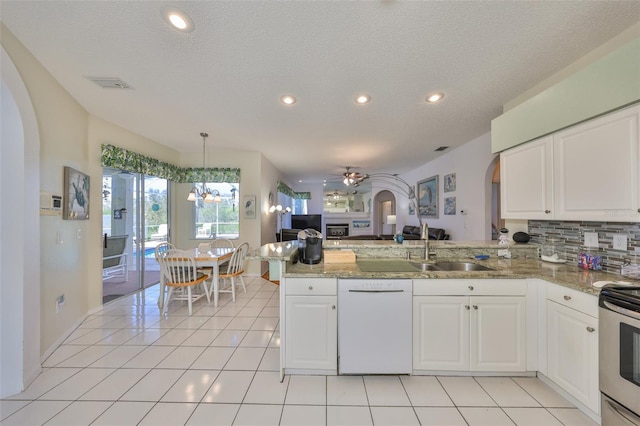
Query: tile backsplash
[572, 234]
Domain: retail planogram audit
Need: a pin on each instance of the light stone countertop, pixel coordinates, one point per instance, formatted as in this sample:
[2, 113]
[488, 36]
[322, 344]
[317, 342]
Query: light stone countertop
[520, 267]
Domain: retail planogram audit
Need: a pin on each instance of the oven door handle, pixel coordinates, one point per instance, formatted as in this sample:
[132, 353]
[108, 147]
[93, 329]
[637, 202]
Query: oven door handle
[621, 311]
[622, 412]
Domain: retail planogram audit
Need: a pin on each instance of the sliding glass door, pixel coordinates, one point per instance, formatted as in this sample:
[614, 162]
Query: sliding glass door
[135, 210]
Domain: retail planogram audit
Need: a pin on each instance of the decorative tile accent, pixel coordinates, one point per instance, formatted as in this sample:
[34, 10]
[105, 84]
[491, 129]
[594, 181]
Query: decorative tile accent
[572, 233]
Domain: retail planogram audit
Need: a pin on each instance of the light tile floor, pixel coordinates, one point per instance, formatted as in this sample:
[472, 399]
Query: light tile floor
[129, 365]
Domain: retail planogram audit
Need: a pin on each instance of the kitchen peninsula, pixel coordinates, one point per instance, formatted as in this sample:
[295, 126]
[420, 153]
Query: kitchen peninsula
[510, 319]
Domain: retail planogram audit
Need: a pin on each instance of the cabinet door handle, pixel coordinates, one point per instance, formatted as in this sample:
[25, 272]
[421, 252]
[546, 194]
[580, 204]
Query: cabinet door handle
[567, 297]
[310, 287]
[467, 307]
[333, 307]
[471, 287]
[547, 211]
[591, 329]
[475, 307]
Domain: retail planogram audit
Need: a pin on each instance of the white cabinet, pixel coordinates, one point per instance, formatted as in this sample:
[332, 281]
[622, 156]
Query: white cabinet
[441, 333]
[460, 332]
[572, 344]
[498, 333]
[311, 324]
[596, 169]
[589, 171]
[526, 180]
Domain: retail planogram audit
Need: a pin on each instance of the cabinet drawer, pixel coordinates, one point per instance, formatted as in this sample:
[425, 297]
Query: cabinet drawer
[311, 286]
[583, 302]
[491, 287]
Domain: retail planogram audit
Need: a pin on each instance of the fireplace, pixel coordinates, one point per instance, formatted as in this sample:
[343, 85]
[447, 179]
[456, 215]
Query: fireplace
[335, 231]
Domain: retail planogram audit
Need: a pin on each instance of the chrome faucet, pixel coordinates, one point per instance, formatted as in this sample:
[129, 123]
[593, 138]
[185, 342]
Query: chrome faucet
[424, 235]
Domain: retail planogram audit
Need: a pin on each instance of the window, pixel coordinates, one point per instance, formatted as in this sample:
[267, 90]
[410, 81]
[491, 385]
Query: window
[218, 220]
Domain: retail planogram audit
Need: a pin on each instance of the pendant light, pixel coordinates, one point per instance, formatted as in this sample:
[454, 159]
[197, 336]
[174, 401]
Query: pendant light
[205, 193]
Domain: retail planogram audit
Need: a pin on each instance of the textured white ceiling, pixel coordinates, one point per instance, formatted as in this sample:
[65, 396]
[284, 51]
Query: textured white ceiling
[227, 75]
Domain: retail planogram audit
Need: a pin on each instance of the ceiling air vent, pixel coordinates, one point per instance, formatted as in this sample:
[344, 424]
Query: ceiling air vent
[110, 82]
[442, 148]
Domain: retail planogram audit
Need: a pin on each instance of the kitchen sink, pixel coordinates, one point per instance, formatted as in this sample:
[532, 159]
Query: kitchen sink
[379, 265]
[458, 266]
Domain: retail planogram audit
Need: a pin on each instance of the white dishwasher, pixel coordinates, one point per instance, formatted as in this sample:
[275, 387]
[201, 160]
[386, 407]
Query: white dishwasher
[374, 326]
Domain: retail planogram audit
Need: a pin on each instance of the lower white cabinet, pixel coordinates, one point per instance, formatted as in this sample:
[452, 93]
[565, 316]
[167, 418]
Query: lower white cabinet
[572, 345]
[469, 333]
[311, 324]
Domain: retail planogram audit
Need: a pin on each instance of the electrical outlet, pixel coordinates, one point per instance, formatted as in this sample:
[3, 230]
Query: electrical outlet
[620, 242]
[591, 239]
[59, 303]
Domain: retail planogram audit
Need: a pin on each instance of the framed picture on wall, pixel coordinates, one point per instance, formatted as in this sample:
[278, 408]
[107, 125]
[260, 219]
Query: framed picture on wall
[76, 187]
[249, 204]
[428, 197]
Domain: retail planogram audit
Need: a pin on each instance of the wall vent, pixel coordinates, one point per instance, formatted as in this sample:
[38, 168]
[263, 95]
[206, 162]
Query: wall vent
[110, 82]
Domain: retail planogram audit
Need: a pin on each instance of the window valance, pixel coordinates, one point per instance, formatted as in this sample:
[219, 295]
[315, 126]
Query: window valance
[122, 159]
[284, 188]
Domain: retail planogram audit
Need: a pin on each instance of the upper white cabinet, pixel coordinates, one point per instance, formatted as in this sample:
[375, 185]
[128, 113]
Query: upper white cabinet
[596, 169]
[526, 180]
[586, 172]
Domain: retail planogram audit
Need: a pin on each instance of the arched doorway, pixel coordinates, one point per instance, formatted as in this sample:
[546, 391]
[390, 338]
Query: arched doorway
[20, 233]
[384, 206]
[496, 217]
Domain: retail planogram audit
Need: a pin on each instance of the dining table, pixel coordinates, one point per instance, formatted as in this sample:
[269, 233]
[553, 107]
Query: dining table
[210, 258]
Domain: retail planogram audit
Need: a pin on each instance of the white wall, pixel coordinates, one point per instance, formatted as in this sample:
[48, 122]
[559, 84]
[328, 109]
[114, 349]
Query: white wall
[470, 162]
[19, 242]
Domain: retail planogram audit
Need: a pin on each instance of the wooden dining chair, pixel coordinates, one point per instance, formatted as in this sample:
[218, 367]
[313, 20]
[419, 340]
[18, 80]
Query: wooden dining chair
[180, 272]
[159, 252]
[232, 271]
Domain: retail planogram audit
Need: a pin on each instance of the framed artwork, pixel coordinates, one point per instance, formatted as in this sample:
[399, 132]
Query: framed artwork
[450, 205]
[249, 203]
[450, 182]
[76, 187]
[361, 223]
[428, 197]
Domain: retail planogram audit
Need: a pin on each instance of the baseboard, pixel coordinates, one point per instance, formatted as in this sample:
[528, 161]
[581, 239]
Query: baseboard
[566, 395]
[46, 354]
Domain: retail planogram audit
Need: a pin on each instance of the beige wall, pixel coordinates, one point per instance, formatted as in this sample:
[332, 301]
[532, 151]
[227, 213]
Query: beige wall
[250, 164]
[70, 136]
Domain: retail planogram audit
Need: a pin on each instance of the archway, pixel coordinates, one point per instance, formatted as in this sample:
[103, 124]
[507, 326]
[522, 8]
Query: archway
[384, 205]
[20, 234]
[493, 179]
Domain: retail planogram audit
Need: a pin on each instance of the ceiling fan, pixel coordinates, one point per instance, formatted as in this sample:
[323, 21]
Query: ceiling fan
[350, 176]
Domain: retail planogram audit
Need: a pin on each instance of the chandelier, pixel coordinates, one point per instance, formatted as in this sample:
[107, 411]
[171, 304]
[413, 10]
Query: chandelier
[205, 193]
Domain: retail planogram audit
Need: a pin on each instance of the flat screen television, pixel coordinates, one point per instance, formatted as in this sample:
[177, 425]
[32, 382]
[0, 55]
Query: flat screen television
[304, 221]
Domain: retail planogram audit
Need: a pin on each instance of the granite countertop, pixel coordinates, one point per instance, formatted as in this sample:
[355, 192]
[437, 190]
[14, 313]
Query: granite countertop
[519, 267]
[563, 274]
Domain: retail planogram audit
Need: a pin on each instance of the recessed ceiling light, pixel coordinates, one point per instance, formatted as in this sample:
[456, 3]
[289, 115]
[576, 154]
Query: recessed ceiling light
[178, 20]
[288, 100]
[363, 99]
[435, 97]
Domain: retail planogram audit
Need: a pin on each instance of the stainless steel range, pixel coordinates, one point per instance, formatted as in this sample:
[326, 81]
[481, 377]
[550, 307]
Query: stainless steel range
[619, 346]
